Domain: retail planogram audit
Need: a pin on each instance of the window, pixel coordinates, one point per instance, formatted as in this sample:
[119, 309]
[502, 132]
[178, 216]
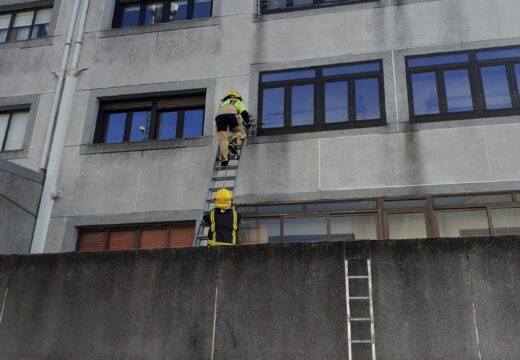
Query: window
[464, 85]
[321, 98]
[25, 24]
[147, 237]
[154, 119]
[270, 6]
[130, 13]
[384, 218]
[12, 129]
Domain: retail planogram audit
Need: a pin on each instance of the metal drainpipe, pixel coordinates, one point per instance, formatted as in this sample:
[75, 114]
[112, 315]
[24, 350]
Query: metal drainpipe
[59, 87]
[50, 194]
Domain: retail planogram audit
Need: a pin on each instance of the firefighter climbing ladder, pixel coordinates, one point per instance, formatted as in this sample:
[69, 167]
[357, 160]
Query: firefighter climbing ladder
[221, 176]
[360, 310]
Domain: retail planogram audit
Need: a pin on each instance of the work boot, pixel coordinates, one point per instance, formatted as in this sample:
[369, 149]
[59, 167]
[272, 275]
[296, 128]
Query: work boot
[233, 148]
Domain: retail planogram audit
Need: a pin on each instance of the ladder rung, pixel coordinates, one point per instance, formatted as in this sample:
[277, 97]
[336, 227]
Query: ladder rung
[358, 277]
[203, 237]
[224, 178]
[360, 319]
[359, 298]
[361, 341]
[229, 167]
[215, 189]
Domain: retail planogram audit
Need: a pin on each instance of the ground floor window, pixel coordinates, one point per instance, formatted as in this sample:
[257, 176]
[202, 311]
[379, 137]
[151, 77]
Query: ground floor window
[148, 236]
[383, 218]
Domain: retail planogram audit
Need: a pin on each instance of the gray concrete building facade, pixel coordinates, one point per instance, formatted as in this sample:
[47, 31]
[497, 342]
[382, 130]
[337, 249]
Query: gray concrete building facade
[462, 140]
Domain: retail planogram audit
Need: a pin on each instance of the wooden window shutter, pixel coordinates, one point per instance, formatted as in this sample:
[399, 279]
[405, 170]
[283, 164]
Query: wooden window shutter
[182, 102]
[122, 239]
[153, 238]
[91, 241]
[181, 237]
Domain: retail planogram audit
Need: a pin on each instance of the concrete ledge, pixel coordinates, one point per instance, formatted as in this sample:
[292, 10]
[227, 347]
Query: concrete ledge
[184, 24]
[144, 145]
[436, 298]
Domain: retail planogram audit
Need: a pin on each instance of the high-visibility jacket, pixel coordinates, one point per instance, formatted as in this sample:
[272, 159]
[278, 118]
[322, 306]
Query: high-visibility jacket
[234, 107]
[223, 226]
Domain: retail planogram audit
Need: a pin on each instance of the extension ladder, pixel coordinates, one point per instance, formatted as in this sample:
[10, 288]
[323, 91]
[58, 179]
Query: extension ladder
[360, 310]
[221, 177]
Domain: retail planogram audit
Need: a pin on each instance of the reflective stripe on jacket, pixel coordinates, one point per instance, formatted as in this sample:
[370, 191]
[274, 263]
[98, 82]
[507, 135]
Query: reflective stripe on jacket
[223, 227]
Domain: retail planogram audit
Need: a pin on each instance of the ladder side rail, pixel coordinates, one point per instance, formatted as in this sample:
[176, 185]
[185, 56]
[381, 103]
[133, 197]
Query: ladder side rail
[372, 330]
[199, 228]
[347, 293]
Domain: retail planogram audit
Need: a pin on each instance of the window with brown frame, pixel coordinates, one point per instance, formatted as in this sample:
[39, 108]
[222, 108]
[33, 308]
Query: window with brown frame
[25, 24]
[321, 98]
[274, 6]
[143, 237]
[464, 85]
[130, 13]
[382, 218]
[164, 118]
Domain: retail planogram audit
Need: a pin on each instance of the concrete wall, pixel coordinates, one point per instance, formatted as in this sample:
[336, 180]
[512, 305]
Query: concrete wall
[20, 192]
[433, 299]
[129, 180]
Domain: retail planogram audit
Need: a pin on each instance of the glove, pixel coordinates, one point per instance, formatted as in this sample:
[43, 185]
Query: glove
[247, 125]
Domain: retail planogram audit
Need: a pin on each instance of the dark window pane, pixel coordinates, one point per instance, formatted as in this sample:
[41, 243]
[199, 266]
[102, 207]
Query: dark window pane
[498, 54]
[202, 9]
[154, 13]
[5, 20]
[367, 99]
[140, 126]
[182, 11]
[302, 101]
[289, 75]
[280, 209]
[496, 87]
[273, 108]
[351, 69]
[472, 199]
[22, 26]
[424, 90]
[168, 125]
[130, 15]
[305, 229]
[342, 206]
[458, 90]
[517, 72]
[41, 23]
[336, 101]
[405, 203]
[438, 60]
[274, 4]
[303, 2]
[193, 121]
[116, 128]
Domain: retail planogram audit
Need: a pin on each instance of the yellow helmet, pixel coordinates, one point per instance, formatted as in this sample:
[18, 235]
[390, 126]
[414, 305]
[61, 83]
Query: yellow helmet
[223, 198]
[233, 94]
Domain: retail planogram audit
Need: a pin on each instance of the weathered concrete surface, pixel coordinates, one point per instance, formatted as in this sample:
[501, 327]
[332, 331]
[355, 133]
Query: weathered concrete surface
[20, 192]
[281, 303]
[273, 302]
[495, 269]
[110, 306]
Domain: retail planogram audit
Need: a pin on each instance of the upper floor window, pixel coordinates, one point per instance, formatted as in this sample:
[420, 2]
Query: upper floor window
[268, 6]
[25, 24]
[147, 12]
[464, 84]
[151, 119]
[12, 129]
[321, 98]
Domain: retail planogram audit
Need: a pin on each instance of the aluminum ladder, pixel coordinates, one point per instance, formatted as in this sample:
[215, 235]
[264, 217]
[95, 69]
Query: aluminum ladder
[360, 310]
[221, 177]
